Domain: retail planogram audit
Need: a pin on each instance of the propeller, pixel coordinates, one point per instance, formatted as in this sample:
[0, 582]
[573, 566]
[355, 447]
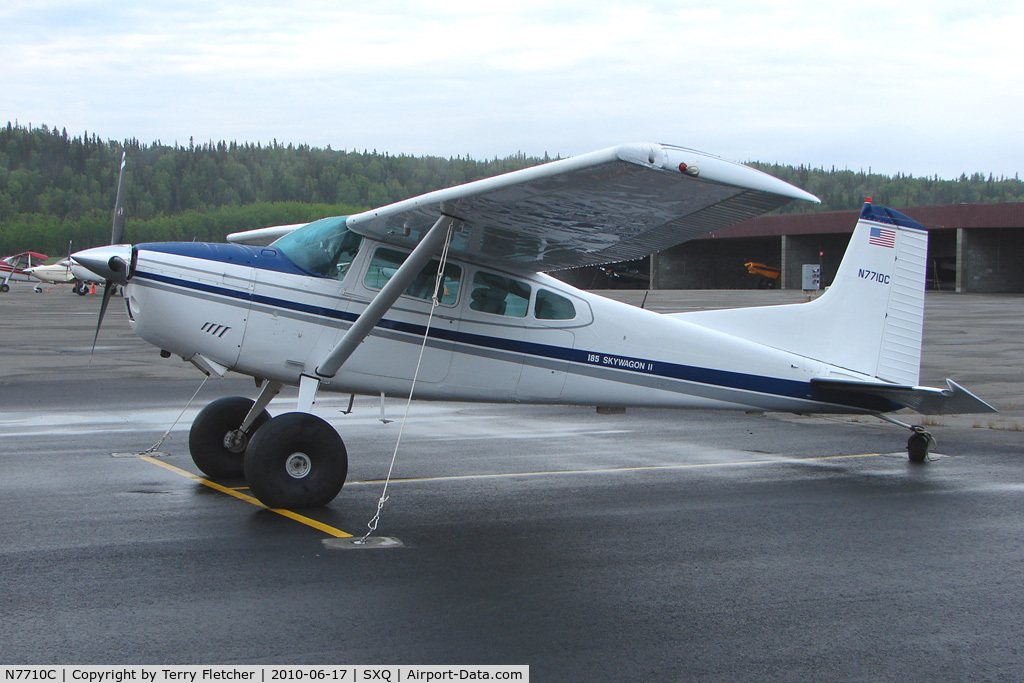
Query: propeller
[117, 231]
[111, 262]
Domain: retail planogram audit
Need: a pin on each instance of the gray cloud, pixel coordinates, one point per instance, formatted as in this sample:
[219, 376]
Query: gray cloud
[922, 87]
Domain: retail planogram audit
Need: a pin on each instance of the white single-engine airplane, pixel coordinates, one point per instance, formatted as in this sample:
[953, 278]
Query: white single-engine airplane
[345, 304]
[65, 272]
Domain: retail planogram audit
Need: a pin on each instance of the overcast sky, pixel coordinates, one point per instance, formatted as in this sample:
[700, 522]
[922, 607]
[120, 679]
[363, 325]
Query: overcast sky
[918, 86]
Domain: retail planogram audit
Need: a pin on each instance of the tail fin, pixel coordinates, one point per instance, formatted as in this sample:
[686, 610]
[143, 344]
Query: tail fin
[869, 321]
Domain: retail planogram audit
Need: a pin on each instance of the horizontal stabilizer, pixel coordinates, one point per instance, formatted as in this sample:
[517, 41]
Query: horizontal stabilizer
[925, 400]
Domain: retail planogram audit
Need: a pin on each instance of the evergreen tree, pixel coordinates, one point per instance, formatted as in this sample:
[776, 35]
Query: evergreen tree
[55, 188]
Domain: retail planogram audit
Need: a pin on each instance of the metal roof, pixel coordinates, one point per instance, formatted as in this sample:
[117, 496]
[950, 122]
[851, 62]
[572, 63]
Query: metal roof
[945, 216]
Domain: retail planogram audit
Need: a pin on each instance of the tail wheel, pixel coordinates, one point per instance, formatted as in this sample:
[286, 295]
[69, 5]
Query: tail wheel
[296, 460]
[918, 445]
[215, 442]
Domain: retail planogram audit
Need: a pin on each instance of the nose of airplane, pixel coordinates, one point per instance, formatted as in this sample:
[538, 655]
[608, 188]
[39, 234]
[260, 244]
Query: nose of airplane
[110, 263]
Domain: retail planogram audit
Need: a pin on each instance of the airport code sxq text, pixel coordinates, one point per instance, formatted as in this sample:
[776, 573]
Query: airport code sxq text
[263, 673]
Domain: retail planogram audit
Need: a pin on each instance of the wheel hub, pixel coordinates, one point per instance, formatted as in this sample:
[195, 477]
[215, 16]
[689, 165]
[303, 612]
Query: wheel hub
[298, 465]
[236, 441]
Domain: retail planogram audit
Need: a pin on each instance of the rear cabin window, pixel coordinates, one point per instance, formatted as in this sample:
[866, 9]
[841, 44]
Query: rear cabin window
[386, 261]
[551, 306]
[500, 295]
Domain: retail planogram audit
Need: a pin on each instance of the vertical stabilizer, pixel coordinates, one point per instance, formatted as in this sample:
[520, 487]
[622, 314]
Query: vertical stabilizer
[879, 289]
[869, 321]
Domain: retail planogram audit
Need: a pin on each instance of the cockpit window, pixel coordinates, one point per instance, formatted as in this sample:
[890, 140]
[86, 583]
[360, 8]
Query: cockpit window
[325, 247]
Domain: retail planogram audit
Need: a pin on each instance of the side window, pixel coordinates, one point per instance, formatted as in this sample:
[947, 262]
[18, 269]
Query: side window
[386, 261]
[551, 306]
[347, 250]
[501, 295]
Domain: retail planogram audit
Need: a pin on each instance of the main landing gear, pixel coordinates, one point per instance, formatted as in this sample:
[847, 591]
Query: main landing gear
[294, 460]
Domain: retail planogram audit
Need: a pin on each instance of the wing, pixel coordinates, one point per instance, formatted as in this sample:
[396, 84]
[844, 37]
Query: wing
[613, 205]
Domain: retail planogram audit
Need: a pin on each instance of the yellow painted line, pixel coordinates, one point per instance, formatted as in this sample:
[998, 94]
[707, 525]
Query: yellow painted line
[234, 492]
[608, 470]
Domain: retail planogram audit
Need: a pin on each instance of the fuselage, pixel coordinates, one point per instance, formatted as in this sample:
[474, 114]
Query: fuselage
[494, 336]
[58, 273]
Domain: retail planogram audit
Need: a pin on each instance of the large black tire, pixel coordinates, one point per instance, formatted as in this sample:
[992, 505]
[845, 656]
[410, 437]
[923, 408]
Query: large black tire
[296, 460]
[216, 446]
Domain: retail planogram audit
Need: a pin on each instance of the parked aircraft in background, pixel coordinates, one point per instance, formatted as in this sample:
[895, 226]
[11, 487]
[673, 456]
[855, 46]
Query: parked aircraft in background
[64, 272]
[440, 296]
[13, 266]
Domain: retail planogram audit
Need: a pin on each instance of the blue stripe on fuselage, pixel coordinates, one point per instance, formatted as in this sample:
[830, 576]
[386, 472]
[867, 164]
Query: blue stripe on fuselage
[687, 373]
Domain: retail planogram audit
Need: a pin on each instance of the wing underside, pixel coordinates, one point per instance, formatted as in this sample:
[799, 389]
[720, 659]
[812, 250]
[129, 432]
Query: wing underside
[614, 205]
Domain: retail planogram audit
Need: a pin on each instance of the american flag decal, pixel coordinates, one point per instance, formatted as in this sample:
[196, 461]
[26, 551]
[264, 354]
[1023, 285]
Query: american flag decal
[882, 237]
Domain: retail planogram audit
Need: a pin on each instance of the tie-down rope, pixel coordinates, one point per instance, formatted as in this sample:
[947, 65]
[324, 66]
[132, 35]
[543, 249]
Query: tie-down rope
[434, 302]
[160, 441]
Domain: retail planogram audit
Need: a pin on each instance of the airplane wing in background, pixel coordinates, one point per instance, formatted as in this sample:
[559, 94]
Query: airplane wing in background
[616, 204]
[263, 236]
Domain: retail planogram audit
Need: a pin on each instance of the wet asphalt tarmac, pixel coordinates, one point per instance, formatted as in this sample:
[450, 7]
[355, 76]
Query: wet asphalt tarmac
[652, 545]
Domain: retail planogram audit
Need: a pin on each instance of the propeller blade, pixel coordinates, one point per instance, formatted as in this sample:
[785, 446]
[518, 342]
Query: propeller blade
[109, 262]
[117, 231]
[108, 291]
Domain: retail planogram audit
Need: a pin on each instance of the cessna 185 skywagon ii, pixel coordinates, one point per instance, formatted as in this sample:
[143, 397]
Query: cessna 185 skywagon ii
[348, 304]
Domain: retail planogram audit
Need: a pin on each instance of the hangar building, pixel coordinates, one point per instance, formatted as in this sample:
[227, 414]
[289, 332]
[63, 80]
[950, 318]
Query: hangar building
[971, 248]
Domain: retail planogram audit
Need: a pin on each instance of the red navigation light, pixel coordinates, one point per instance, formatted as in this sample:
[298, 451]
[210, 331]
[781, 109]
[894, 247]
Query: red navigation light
[682, 167]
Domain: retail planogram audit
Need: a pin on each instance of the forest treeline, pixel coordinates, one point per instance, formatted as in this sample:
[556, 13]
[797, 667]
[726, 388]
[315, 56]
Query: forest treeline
[56, 188]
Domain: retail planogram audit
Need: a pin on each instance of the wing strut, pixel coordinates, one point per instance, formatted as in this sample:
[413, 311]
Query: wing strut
[368, 319]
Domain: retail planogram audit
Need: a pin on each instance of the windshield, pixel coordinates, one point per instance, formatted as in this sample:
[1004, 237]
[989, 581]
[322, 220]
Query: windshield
[324, 247]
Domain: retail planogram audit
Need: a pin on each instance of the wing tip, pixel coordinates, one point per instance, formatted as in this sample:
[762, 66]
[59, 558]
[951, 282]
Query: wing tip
[697, 164]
